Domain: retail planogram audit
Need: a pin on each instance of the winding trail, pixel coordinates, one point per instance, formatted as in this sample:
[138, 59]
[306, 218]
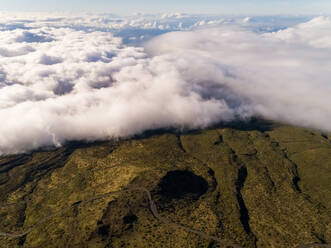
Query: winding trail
[155, 213]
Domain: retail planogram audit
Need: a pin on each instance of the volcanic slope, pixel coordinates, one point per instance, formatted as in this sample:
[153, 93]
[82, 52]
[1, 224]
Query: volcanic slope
[255, 185]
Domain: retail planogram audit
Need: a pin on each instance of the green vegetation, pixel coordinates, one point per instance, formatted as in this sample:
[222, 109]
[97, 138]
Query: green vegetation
[256, 185]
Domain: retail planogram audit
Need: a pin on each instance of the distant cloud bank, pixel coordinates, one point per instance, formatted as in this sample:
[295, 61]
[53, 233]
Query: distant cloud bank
[65, 79]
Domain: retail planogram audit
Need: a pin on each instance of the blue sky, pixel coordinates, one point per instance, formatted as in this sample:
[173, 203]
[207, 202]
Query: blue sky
[259, 7]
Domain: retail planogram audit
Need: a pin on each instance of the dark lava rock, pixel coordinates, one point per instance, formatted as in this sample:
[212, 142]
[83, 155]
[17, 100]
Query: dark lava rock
[130, 218]
[104, 230]
[181, 184]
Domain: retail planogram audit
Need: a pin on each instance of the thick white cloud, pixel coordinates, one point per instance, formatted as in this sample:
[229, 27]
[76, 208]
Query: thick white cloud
[59, 84]
[315, 33]
[282, 79]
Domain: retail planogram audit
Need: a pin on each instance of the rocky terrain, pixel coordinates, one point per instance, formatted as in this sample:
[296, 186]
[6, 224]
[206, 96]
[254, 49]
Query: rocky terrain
[257, 184]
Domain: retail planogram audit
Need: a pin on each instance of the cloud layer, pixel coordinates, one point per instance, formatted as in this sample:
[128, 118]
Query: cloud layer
[59, 83]
[283, 75]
